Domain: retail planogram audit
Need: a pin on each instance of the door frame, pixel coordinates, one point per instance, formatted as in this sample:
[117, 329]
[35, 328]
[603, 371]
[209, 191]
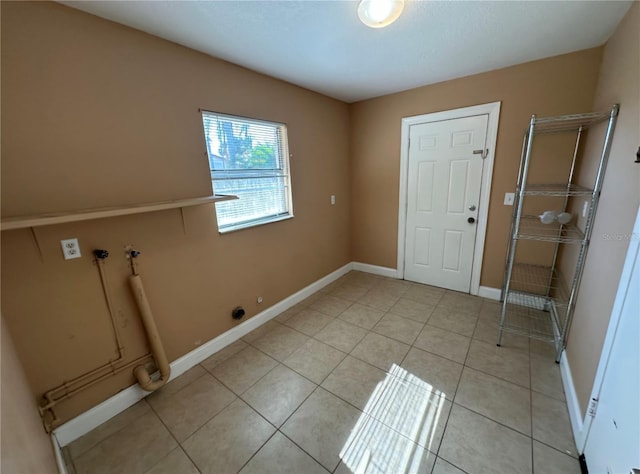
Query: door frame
[492, 109]
[581, 432]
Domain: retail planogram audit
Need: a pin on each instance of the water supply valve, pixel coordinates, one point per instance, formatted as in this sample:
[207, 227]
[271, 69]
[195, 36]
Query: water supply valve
[131, 254]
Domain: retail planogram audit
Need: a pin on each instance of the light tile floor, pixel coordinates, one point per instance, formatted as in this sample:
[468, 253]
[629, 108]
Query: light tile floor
[367, 375]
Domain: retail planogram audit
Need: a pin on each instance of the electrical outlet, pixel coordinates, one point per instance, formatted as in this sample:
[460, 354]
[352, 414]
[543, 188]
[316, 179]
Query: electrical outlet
[333, 199]
[70, 249]
[259, 299]
[509, 198]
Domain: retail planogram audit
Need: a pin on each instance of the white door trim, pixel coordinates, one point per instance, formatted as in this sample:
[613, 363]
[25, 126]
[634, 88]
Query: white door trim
[581, 429]
[493, 110]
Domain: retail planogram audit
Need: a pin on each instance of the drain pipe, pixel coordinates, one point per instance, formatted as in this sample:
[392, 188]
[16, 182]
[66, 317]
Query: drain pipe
[51, 399]
[69, 388]
[155, 344]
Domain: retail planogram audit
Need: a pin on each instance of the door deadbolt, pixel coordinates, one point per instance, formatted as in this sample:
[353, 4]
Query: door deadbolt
[472, 207]
[471, 220]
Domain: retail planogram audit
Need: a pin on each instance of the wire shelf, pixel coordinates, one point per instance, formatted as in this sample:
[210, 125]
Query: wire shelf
[531, 316]
[536, 302]
[570, 123]
[539, 281]
[532, 229]
[556, 190]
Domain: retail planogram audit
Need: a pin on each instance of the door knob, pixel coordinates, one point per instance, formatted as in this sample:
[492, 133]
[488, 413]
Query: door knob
[471, 220]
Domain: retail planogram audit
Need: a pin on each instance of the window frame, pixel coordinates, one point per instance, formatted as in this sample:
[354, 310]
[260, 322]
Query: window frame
[282, 157]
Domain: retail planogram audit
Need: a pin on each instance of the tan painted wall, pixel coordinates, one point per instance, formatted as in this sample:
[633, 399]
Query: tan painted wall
[97, 114]
[618, 83]
[558, 85]
[26, 449]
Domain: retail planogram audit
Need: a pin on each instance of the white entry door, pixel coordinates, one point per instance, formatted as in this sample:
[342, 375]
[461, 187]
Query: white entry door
[613, 442]
[443, 196]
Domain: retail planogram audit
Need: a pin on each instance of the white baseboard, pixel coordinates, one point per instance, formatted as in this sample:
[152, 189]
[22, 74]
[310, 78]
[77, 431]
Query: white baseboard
[489, 293]
[375, 269]
[85, 422]
[201, 353]
[57, 452]
[90, 419]
[575, 414]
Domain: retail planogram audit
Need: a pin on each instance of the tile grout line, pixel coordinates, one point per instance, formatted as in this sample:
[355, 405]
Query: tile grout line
[491, 419]
[279, 430]
[290, 368]
[455, 465]
[464, 365]
[261, 446]
[237, 397]
[317, 386]
[444, 427]
[301, 448]
[444, 430]
[497, 377]
[362, 411]
[413, 346]
[176, 439]
[368, 331]
[575, 458]
[73, 459]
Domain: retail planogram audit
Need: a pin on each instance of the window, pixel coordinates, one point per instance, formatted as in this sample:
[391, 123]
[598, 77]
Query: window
[250, 159]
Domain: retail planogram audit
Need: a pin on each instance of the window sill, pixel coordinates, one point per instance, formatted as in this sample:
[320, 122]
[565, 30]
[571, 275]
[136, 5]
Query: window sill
[256, 223]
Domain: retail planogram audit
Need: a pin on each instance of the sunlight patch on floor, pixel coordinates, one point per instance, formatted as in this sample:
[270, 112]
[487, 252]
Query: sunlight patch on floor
[399, 420]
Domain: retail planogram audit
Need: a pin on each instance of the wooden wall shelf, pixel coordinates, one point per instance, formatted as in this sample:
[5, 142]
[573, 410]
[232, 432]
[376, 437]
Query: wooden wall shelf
[22, 222]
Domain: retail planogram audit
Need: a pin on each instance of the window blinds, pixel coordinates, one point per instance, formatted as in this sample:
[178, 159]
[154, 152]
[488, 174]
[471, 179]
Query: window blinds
[248, 158]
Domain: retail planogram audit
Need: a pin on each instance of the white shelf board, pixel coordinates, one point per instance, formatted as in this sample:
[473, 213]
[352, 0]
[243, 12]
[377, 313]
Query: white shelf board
[22, 222]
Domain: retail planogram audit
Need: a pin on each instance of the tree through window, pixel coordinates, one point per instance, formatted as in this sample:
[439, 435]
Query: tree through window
[248, 158]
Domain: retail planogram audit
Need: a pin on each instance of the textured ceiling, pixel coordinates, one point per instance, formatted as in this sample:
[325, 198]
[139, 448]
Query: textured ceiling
[321, 45]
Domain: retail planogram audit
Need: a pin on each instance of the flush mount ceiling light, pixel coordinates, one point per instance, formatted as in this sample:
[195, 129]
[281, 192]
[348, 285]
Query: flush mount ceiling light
[379, 13]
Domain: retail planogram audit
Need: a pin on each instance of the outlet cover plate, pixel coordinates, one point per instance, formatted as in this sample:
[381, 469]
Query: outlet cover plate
[509, 198]
[70, 248]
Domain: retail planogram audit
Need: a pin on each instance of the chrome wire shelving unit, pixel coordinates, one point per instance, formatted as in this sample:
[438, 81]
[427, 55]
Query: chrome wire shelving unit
[538, 300]
[531, 228]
